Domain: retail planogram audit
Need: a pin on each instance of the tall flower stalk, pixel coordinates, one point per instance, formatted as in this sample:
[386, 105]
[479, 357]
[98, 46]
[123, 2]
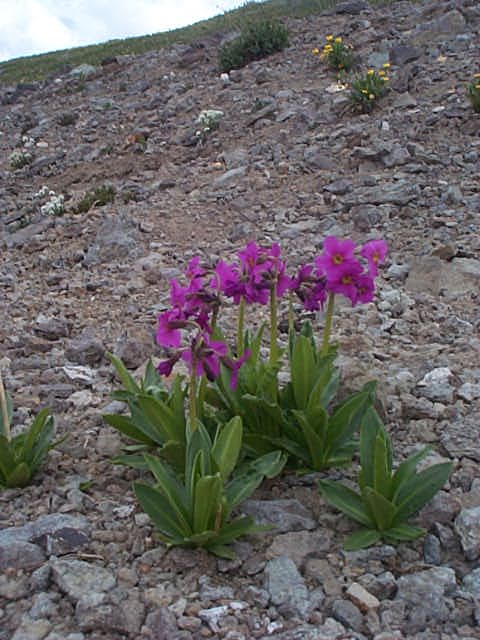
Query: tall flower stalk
[4, 410]
[328, 324]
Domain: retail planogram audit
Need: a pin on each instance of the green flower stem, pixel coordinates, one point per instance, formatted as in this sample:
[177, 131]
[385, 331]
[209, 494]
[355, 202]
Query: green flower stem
[273, 326]
[291, 320]
[193, 398]
[240, 327]
[328, 324]
[3, 406]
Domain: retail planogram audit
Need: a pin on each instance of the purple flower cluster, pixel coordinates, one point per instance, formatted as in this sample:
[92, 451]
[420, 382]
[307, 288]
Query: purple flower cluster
[338, 270]
[258, 273]
[193, 309]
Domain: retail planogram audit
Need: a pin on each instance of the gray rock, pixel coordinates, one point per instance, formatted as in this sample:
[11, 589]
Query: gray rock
[435, 385]
[117, 238]
[286, 587]
[25, 235]
[352, 7]
[461, 437]
[285, 515]
[86, 349]
[83, 71]
[162, 625]
[77, 578]
[471, 582]
[330, 630]
[431, 550]
[235, 158]
[298, 545]
[14, 588]
[469, 391]
[401, 194]
[425, 594]
[316, 157]
[400, 54]
[339, 187]
[93, 613]
[20, 555]
[52, 328]
[32, 629]
[44, 606]
[467, 527]
[446, 25]
[348, 614]
[230, 178]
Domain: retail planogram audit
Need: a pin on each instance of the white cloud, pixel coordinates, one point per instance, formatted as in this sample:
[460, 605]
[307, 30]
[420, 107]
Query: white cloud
[35, 26]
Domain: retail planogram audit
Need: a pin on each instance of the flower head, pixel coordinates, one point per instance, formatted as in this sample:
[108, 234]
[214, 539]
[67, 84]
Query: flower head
[169, 325]
[336, 253]
[375, 252]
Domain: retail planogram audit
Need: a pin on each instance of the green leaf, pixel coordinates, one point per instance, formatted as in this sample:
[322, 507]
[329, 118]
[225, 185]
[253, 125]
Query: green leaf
[383, 510]
[346, 500]
[361, 539]
[151, 378]
[371, 424]
[133, 461]
[403, 532]
[346, 419]
[381, 470]
[163, 419]
[302, 367]
[207, 502]
[8, 401]
[33, 433]
[313, 430]
[226, 448]
[406, 470]
[233, 530]
[125, 378]
[156, 505]
[172, 489]
[7, 458]
[421, 488]
[125, 425]
[20, 476]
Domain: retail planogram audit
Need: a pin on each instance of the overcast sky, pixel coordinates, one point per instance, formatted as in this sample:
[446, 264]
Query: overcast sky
[36, 26]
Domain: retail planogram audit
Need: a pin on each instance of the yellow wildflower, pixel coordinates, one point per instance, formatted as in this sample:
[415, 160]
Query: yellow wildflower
[329, 38]
[385, 79]
[477, 86]
[371, 96]
[370, 72]
[476, 75]
[386, 65]
[315, 51]
[381, 72]
[364, 91]
[338, 39]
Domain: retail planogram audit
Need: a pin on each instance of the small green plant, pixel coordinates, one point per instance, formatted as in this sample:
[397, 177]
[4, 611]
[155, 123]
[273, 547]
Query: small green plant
[258, 40]
[336, 54]
[367, 89]
[196, 510]
[157, 418]
[387, 498]
[473, 92]
[22, 455]
[19, 159]
[97, 198]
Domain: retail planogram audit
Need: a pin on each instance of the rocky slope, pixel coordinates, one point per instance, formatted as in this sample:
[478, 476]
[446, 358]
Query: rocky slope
[288, 163]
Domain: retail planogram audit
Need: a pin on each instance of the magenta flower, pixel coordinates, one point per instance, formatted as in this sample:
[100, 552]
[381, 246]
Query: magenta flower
[235, 366]
[205, 355]
[165, 367]
[168, 330]
[365, 288]
[310, 288]
[335, 254]
[375, 251]
[345, 280]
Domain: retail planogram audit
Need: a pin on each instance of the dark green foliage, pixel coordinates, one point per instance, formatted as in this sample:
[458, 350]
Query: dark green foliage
[22, 455]
[258, 40]
[99, 197]
[387, 498]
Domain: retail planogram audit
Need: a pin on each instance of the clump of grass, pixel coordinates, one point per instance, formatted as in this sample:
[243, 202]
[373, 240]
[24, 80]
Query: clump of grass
[366, 90]
[258, 40]
[473, 91]
[20, 158]
[99, 197]
[338, 55]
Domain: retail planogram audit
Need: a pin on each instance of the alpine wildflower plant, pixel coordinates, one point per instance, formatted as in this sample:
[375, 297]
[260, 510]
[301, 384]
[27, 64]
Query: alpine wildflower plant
[366, 89]
[338, 55]
[473, 91]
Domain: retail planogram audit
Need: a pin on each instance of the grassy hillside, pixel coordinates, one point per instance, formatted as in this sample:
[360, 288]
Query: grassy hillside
[39, 66]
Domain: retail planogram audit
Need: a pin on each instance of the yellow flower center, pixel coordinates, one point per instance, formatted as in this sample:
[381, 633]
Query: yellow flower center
[337, 258]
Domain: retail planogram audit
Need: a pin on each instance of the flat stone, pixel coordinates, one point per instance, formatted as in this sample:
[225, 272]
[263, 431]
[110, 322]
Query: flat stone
[86, 349]
[348, 614]
[32, 629]
[20, 555]
[229, 178]
[286, 586]
[352, 7]
[435, 385]
[467, 527]
[471, 582]
[461, 437]
[362, 598]
[446, 25]
[77, 578]
[400, 54]
[298, 545]
[285, 515]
